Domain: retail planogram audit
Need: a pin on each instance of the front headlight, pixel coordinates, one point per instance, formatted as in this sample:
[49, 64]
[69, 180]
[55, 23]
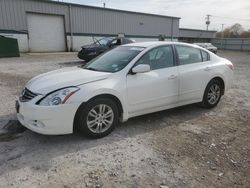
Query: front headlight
[58, 97]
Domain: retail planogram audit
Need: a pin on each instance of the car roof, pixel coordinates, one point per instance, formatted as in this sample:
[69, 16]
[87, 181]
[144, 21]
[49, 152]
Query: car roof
[157, 43]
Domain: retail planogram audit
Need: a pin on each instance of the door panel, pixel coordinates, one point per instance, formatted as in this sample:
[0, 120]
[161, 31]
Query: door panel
[193, 80]
[193, 72]
[157, 88]
[152, 89]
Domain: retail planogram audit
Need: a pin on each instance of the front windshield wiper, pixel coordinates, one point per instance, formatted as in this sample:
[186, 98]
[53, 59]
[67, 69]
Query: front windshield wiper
[90, 68]
[93, 69]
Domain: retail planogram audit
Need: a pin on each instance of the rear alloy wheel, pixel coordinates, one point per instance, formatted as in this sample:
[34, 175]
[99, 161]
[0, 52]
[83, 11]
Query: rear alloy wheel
[97, 118]
[212, 94]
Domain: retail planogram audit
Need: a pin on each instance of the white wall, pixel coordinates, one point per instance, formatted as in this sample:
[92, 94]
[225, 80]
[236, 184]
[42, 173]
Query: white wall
[22, 40]
[145, 39]
[151, 39]
[79, 41]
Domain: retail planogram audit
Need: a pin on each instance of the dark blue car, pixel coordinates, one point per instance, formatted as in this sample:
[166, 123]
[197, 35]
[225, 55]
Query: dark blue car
[91, 51]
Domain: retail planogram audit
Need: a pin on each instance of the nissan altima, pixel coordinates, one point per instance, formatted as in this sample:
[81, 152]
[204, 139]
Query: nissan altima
[128, 81]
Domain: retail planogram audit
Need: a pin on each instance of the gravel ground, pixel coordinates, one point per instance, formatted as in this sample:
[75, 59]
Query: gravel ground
[182, 147]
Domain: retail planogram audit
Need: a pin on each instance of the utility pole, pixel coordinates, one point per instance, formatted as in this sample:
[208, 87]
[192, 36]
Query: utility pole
[208, 20]
[222, 35]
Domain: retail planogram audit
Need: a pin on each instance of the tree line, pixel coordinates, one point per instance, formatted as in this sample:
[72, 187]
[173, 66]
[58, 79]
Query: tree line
[234, 31]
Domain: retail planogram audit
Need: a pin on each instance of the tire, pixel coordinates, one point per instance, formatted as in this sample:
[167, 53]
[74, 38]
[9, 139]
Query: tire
[212, 94]
[93, 123]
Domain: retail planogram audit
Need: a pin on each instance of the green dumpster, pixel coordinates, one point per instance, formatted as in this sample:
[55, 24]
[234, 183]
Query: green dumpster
[8, 47]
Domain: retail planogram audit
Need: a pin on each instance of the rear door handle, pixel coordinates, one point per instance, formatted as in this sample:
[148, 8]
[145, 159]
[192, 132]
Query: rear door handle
[207, 69]
[172, 77]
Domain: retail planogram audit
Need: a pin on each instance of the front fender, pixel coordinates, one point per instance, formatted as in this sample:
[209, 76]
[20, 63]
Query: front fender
[84, 95]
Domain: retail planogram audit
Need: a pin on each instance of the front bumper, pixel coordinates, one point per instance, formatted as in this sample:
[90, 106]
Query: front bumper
[86, 56]
[47, 120]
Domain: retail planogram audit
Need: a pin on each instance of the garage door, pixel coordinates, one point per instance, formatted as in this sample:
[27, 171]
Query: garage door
[46, 33]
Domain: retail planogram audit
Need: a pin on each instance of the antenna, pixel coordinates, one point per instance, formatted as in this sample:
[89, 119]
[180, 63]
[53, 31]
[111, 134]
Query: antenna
[208, 20]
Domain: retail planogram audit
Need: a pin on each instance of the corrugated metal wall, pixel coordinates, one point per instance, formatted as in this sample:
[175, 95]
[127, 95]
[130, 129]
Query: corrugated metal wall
[193, 33]
[13, 13]
[87, 20]
[232, 43]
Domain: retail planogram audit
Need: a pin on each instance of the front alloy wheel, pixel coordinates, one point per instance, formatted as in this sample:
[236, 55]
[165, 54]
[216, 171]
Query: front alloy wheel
[97, 118]
[100, 118]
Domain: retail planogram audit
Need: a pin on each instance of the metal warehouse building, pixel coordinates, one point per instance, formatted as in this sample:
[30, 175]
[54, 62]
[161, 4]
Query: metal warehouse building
[195, 35]
[47, 26]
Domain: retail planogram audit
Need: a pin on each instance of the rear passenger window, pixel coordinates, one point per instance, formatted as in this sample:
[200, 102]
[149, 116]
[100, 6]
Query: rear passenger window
[205, 56]
[188, 55]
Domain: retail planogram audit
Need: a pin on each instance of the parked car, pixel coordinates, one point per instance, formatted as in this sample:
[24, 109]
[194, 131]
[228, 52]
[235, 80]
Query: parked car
[208, 46]
[125, 82]
[89, 52]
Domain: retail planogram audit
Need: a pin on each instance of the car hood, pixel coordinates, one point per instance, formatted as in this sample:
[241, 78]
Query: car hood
[48, 82]
[89, 46]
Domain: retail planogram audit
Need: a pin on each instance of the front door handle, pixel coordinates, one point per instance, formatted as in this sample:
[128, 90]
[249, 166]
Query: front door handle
[172, 77]
[207, 69]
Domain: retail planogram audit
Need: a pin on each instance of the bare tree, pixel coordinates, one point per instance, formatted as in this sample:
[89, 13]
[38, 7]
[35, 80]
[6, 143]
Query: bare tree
[245, 34]
[236, 29]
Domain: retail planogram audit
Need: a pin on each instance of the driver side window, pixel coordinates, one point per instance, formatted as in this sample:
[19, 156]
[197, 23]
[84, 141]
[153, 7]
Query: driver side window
[158, 58]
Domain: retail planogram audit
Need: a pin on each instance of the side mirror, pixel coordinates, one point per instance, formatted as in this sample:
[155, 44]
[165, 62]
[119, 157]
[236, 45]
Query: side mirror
[141, 68]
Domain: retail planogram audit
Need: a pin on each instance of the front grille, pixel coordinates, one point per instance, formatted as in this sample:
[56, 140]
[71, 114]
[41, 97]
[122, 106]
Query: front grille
[27, 95]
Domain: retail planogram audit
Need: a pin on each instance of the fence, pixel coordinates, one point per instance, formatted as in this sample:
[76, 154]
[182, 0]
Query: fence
[242, 44]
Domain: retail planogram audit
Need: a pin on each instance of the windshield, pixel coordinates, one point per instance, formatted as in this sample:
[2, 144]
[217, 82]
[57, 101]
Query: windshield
[103, 41]
[114, 60]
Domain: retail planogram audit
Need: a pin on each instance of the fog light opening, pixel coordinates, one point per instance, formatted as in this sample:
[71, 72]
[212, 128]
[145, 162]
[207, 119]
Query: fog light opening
[37, 123]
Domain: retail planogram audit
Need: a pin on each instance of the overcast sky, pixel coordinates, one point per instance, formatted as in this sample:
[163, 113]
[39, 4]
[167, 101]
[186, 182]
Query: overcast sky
[192, 12]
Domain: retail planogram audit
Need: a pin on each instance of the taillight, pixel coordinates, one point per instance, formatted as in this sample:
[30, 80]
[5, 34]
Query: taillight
[231, 66]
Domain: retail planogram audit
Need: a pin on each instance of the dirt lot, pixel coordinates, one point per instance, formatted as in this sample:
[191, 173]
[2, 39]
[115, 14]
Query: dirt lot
[184, 147]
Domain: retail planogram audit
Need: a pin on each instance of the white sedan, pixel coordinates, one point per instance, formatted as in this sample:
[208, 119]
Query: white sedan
[128, 81]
